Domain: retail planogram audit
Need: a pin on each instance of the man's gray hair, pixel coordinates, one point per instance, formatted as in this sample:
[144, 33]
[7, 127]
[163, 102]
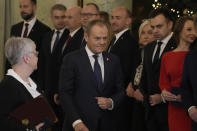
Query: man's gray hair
[16, 48]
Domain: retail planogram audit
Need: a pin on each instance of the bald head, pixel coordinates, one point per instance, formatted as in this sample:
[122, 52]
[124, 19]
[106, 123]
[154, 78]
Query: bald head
[120, 19]
[73, 16]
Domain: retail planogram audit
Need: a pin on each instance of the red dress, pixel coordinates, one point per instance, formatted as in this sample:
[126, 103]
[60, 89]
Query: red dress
[170, 76]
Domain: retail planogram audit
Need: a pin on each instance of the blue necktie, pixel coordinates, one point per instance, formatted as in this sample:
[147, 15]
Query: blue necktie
[56, 40]
[156, 57]
[97, 72]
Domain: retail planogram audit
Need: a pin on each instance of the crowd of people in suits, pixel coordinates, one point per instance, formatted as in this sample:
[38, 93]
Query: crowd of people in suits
[96, 76]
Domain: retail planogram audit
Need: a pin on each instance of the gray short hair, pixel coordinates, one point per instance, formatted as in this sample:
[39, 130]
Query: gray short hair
[16, 48]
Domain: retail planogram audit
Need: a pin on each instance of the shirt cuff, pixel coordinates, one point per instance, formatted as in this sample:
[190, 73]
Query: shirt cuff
[112, 105]
[76, 122]
[191, 108]
[164, 101]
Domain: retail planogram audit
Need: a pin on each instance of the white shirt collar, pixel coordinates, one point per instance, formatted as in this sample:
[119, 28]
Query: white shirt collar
[31, 22]
[166, 39]
[90, 53]
[61, 31]
[120, 33]
[31, 89]
[74, 32]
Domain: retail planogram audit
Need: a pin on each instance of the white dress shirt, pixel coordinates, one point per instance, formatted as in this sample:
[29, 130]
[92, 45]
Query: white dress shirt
[92, 60]
[55, 35]
[30, 26]
[119, 34]
[163, 45]
[31, 87]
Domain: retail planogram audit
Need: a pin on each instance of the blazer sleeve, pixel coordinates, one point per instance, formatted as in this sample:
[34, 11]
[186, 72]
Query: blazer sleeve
[164, 82]
[186, 87]
[67, 87]
[8, 100]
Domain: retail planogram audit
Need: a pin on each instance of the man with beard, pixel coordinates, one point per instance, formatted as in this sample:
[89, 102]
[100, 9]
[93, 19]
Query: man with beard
[125, 47]
[31, 27]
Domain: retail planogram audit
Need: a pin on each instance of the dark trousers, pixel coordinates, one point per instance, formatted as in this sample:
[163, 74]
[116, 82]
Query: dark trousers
[138, 117]
[158, 118]
[123, 115]
[194, 126]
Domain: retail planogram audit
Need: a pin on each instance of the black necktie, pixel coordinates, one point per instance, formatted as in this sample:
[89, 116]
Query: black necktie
[97, 72]
[26, 30]
[56, 40]
[156, 57]
[112, 43]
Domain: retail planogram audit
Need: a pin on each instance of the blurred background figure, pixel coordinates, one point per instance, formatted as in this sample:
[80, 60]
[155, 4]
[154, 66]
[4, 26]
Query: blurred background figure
[171, 74]
[17, 88]
[30, 27]
[104, 16]
[138, 116]
[73, 24]
[124, 45]
[50, 60]
[89, 13]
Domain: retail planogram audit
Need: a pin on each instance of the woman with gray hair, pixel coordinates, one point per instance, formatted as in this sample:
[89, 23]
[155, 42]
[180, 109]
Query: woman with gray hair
[17, 88]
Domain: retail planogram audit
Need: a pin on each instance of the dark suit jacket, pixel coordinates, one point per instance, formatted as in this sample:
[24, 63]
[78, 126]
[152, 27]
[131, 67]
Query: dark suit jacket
[36, 34]
[150, 76]
[49, 62]
[78, 89]
[126, 48]
[12, 95]
[74, 43]
[189, 83]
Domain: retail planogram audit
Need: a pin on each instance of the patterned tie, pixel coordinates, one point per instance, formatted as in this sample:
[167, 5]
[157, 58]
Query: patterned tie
[26, 30]
[112, 43]
[97, 72]
[56, 40]
[156, 57]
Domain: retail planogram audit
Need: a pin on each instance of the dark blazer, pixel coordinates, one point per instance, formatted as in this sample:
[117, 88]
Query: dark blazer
[49, 62]
[78, 89]
[150, 80]
[189, 83]
[126, 48]
[74, 43]
[36, 34]
[12, 95]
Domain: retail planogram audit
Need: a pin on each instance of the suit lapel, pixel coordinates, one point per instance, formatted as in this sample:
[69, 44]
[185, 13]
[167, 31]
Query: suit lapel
[106, 61]
[86, 63]
[19, 31]
[120, 39]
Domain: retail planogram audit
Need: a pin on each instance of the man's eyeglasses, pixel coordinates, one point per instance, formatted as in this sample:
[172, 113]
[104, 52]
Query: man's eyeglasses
[87, 14]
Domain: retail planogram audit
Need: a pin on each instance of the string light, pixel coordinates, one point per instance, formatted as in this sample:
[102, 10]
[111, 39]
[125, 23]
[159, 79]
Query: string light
[178, 12]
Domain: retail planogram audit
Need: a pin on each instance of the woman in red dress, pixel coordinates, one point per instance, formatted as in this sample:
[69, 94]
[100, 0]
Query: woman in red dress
[171, 73]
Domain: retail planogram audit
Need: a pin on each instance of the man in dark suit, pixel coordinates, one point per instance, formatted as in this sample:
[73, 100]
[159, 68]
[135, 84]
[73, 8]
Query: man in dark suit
[73, 24]
[31, 27]
[188, 86]
[90, 83]
[50, 58]
[156, 109]
[89, 13]
[125, 47]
